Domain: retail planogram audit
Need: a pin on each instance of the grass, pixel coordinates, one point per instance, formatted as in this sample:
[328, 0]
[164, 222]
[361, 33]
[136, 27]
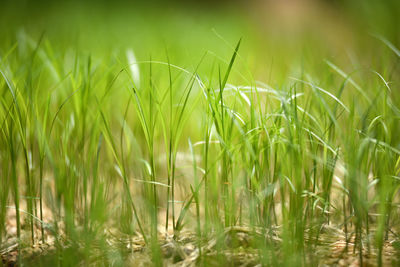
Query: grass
[100, 149]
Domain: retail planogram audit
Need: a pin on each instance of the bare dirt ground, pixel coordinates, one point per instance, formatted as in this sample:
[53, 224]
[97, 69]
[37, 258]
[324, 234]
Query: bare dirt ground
[239, 248]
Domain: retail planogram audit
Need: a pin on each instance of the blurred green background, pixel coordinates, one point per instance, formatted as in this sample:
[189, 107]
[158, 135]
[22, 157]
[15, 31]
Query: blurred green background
[279, 33]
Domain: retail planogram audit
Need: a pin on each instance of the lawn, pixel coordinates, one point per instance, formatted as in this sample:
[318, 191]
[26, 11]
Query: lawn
[200, 133]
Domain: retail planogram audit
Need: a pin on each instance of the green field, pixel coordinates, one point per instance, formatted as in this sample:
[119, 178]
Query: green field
[244, 133]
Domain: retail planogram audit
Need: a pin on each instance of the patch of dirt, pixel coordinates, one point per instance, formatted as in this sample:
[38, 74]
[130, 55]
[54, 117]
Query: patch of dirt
[234, 246]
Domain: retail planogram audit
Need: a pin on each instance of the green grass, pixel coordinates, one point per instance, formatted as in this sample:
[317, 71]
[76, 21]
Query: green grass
[196, 134]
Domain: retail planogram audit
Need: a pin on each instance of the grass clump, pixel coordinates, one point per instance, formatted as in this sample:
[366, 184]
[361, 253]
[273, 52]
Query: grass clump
[107, 159]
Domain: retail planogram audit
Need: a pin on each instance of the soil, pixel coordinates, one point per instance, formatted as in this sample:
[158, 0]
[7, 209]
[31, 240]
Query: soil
[235, 246]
